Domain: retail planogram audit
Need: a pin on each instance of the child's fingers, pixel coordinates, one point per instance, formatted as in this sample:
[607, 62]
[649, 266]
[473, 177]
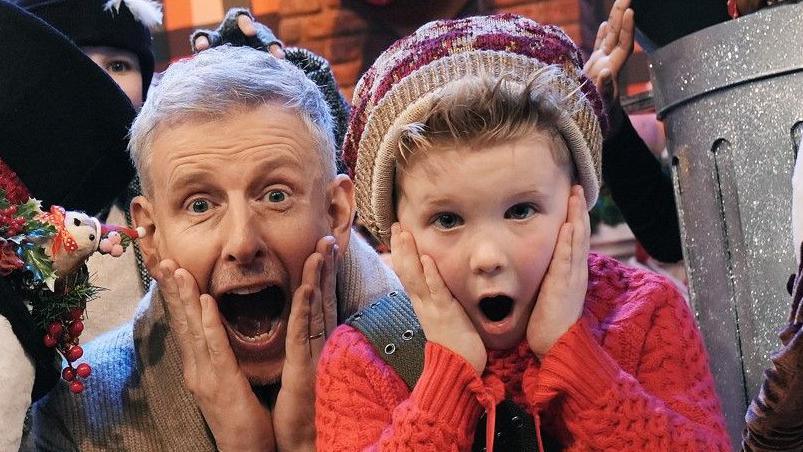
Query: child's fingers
[560, 266]
[601, 32]
[615, 24]
[407, 264]
[626, 33]
[246, 25]
[432, 276]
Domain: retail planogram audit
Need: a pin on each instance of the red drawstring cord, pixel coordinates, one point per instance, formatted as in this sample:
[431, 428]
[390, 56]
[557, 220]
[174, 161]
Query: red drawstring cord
[486, 399]
[538, 432]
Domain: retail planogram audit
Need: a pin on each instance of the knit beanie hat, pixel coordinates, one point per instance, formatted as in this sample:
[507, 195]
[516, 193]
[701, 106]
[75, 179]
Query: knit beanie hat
[123, 24]
[404, 81]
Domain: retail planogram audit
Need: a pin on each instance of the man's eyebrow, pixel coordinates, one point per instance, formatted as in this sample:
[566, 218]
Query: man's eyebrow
[277, 160]
[188, 178]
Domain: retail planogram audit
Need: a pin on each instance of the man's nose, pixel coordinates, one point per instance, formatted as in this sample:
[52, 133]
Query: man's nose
[242, 241]
[487, 256]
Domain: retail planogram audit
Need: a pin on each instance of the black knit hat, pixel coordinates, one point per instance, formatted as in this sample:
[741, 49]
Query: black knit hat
[124, 24]
[63, 121]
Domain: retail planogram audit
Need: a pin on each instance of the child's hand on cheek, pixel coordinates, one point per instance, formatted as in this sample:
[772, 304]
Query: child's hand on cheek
[442, 317]
[563, 290]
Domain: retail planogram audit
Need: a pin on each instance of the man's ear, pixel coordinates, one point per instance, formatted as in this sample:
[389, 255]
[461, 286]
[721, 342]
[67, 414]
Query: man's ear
[341, 209]
[143, 215]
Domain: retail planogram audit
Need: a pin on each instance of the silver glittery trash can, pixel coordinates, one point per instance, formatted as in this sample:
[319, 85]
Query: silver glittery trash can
[731, 97]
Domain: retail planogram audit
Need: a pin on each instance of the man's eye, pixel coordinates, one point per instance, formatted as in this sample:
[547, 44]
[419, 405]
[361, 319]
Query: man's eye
[118, 66]
[276, 196]
[448, 220]
[520, 212]
[200, 206]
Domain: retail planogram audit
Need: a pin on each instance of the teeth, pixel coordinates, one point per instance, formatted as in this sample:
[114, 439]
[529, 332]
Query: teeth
[262, 336]
[246, 290]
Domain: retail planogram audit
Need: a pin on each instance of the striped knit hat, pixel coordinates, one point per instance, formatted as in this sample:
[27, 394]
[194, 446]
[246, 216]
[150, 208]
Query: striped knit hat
[402, 84]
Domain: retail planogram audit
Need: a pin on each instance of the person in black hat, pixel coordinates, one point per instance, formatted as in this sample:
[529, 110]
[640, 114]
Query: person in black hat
[49, 92]
[115, 34]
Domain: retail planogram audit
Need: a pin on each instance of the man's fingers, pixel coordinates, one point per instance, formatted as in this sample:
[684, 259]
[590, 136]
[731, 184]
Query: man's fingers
[316, 325]
[297, 351]
[190, 298]
[220, 353]
[407, 264]
[175, 309]
[328, 284]
[299, 323]
[246, 25]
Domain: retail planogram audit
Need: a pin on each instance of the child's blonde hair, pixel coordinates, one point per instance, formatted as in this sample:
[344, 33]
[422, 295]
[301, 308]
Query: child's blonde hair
[483, 110]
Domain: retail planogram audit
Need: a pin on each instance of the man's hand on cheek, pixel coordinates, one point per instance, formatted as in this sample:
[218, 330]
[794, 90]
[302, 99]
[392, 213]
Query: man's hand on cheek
[313, 315]
[442, 318]
[235, 416]
[563, 289]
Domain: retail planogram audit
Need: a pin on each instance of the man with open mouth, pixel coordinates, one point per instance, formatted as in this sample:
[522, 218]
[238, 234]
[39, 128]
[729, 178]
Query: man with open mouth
[250, 242]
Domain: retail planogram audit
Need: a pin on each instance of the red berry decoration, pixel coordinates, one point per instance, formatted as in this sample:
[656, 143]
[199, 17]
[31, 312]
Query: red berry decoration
[76, 313]
[76, 328]
[68, 374]
[74, 353]
[50, 341]
[55, 329]
[76, 387]
[83, 370]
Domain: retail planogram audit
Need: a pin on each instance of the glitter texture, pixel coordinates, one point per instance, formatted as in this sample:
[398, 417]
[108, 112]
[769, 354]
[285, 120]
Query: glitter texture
[731, 96]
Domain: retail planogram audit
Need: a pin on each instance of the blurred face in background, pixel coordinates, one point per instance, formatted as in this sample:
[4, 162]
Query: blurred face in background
[123, 67]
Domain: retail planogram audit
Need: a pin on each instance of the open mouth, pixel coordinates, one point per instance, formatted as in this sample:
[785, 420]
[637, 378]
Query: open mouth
[253, 313]
[496, 308]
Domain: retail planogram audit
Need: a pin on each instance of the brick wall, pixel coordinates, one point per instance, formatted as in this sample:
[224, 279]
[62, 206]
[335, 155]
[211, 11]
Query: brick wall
[349, 33]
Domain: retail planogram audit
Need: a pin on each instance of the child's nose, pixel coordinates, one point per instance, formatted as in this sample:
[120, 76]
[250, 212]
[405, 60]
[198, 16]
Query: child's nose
[487, 257]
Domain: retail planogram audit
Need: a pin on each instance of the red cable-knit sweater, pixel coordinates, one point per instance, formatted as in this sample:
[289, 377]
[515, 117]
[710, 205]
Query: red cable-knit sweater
[631, 374]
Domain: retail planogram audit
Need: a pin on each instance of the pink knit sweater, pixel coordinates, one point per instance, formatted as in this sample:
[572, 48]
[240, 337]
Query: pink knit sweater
[631, 374]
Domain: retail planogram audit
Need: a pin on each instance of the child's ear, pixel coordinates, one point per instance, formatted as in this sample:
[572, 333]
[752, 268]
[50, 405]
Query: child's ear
[341, 209]
[143, 215]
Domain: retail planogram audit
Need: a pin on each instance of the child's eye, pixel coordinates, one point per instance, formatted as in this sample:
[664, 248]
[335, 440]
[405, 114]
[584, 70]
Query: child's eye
[276, 196]
[118, 66]
[520, 212]
[199, 205]
[448, 220]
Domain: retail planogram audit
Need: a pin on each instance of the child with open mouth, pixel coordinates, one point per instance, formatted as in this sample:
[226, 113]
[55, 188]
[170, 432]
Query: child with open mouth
[475, 146]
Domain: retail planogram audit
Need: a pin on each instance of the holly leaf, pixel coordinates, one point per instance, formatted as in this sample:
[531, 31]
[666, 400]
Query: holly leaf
[30, 209]
[37, 262]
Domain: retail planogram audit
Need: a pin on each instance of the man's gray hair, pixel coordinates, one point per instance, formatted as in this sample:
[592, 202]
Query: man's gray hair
[223, 80]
